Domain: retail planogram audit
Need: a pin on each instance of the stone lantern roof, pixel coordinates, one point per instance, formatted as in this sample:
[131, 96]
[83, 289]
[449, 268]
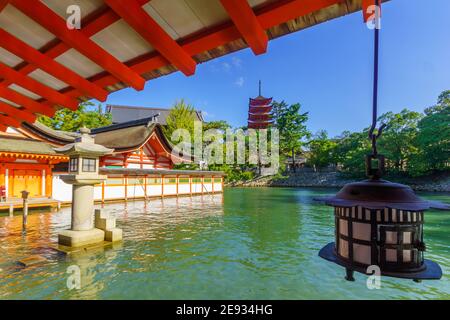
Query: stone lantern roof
[84, 146]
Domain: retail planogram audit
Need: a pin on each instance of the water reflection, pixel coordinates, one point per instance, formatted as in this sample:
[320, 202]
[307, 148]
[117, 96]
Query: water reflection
[251, 244]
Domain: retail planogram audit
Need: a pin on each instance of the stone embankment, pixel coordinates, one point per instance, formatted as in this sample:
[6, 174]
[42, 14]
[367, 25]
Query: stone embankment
[440, 183]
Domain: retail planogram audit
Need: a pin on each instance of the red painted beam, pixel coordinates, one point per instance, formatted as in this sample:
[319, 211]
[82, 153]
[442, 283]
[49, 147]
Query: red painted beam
[27, 103]
[31, 55]
[17, 113]
[3, 4]
[93, 23]
[3, 127]
[142, 23]
[48, 19]
[10, 122]
[248, 25]
[277, 14]
[37, 87]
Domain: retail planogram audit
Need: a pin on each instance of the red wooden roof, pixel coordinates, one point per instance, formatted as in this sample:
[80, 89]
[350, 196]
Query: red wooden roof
[45, 65]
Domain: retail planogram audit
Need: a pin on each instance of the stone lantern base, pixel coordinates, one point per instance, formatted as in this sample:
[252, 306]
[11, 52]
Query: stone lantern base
[71, 238]
[105, 230]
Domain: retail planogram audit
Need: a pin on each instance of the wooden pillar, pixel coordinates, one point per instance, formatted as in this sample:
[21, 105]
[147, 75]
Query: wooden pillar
[2, 176]
[162, 186]
[212, 184]
[126, 187]
[203, 184]
[141, 157]
[49, 182]
[103, 192]
[221, 180]
[177, 180]
[145, 187]
[190, 185]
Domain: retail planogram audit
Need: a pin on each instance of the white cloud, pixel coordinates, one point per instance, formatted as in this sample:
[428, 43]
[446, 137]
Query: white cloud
[236, 62]
[226, 66]
[239, 82]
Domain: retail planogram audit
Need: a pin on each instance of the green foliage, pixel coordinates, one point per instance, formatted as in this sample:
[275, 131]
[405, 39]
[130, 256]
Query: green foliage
[291, 125]
[181, 116]
[433, 139]
[87, 115]
[321, 150]
[397, 143]
[350, 151]
[414, 144]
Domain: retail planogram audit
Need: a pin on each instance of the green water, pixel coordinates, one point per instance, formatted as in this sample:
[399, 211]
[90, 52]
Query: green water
[259, 244]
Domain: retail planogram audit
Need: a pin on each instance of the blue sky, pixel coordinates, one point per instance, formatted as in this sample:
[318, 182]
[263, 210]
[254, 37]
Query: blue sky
[327, 68]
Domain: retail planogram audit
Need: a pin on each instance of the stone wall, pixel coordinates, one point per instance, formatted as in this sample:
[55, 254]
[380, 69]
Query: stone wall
[440, 183]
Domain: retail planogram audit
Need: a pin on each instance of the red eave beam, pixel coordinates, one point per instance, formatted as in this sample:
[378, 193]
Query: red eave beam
[36, 87]
[95, 22]
[47, 18]
[3, 4]
[278, 13]
[11, 122]
[33, 56]
[27, 103]
[17, 113]
[132, 12]
[248, 25]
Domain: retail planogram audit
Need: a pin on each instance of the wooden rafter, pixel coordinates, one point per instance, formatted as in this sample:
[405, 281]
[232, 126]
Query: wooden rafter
[9, 121]
[3, 4]
[93, 23]
[37, 87]
[248, 25]
[17, 113]
[48, 19]
[149, 29]
[268, 18]
[29, 104]
[31, 55]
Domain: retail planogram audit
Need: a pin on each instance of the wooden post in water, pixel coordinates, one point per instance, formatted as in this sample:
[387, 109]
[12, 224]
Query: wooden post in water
[25, 208]
[11, 210]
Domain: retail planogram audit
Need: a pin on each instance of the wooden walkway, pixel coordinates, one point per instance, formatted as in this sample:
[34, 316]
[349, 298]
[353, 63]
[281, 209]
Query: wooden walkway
[12, 204]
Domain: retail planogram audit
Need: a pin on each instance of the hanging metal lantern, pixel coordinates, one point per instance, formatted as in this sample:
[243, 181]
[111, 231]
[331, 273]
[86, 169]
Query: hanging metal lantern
[378, 222]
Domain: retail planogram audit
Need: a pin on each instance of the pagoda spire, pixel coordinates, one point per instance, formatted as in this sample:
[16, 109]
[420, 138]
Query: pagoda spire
[259, 111]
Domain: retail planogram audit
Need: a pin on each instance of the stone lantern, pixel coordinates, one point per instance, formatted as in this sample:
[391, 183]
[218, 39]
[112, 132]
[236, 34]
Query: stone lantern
[83, 175]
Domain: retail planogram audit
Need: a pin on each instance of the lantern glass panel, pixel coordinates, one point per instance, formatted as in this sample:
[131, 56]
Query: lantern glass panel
[391, 237]
[89, 165]
[73, 165]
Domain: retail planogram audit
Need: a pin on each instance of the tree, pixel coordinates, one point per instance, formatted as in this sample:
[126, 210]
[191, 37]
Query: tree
[397, 142]
[85, 116]
[322, 150]
[181, 116]
[291, 126]
[351, 149]
[433, 138]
